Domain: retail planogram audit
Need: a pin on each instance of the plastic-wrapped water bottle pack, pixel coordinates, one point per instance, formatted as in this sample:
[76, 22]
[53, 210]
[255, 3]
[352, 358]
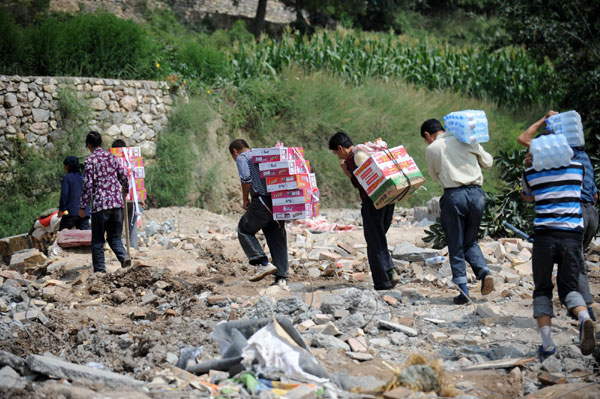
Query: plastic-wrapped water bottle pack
[550, 151]
[468, 126]
[569, 125]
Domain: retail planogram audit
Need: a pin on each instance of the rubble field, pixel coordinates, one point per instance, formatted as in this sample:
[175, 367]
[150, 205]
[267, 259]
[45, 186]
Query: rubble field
[133, 332]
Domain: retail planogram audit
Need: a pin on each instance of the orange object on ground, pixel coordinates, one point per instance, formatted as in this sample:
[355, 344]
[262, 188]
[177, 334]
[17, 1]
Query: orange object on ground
[46, 221]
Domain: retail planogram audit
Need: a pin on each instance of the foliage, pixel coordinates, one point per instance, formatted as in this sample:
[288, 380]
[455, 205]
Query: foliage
[83, 45]
[505, 206]
[173, 176]
[36, 175]
[567, 33]
[26, 11]
[507, 76]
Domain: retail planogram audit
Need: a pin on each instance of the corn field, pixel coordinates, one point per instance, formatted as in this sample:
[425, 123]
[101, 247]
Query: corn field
[507, 76]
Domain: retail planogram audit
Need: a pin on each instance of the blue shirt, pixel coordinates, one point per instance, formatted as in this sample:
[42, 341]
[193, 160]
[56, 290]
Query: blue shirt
[70, 194]
[557, 194]
[589, 188]
[249, 173]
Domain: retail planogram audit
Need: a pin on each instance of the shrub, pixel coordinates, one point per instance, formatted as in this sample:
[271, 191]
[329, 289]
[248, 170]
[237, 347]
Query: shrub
[196, 61]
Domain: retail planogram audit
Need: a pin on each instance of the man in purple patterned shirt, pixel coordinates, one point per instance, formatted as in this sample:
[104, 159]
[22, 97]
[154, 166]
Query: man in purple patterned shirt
[105, 180]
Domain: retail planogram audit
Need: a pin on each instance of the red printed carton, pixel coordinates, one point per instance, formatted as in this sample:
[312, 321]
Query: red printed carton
[279, 183]
[283, 168]
[277, 154]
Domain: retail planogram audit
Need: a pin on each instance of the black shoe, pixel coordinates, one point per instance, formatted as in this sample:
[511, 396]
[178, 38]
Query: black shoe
[126, 262]
[587, 337]
[394, 277]
[487, 284]
[460, 300]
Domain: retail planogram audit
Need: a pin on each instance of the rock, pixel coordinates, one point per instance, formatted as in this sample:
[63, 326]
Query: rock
[305, 325]
[550, 379]
[358, 344]
[10, 379]
[290, 305]
[327, 329]
[360, 356]
[148, 149]
[314, 272]
[217, 300]
[118, 296]
[59, 368]
[171, 358]
[303, 391]
[398, 393]
[552, 364]
[149, 297]
[438, 336]
[398, 338]
[126, 130]
[366, 384]
[486, 311]
[40, 115]
[579, 390]
[411, 253]
[411, 332]
[329, 342]
[331, 256]
[10, 100]
[14, 361]
[355, 320]
[129, 103]
[97, 104]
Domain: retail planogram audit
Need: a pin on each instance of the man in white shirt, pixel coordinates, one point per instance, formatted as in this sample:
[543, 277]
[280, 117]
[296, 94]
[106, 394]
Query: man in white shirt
[457, 167]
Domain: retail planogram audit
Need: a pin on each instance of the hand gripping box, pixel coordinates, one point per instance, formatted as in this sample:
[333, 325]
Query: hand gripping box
[283, 168]
[292, 182]
[389, 176]
[276, 154]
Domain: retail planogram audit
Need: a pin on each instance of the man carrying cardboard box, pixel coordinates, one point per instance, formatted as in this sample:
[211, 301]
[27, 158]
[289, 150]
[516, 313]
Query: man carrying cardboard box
[457, 166]
[259, 216]
[376, 222]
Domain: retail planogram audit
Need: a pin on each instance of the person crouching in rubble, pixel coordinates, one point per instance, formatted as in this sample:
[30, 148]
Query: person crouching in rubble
[259, 216]
[376, 222]
[558, 226]
[70, 193]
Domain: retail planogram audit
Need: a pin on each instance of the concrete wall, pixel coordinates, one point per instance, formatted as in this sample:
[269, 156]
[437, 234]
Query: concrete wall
[129, 109]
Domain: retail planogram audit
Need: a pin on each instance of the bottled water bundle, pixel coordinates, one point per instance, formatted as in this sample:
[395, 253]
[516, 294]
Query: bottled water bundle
[468, 126]
[569, 125]
[550, 151]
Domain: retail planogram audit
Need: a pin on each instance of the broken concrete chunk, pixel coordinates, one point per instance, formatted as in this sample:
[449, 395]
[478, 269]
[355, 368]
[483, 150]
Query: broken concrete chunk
[329, 342]
[360, 356]
[303, 391]
[411, 332]
[59, 368]
[10, 379]
[409, 252]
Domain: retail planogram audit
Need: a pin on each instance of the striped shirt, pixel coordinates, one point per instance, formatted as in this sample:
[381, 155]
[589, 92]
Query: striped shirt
[249, 173]
[557, 194]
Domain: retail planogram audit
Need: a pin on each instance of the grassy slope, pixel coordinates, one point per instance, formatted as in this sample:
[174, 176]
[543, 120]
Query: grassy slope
[304, 110]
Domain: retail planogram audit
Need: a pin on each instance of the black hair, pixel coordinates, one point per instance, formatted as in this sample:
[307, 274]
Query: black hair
[119, 143]
[72, 164]
[431, 126]
[94, 139]
[340, 138]
[238, 144]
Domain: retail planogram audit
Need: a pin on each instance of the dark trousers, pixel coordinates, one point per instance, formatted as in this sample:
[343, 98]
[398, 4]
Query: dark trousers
[107, 225]
[376, 223]
[590, 225]
[590, 222]
[461, 213]
[259, 217]
[70, 221]
[565, 250]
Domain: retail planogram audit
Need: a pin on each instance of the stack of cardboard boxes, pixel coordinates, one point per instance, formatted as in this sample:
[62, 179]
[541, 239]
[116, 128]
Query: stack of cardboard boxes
[293, 188]
[130, 158]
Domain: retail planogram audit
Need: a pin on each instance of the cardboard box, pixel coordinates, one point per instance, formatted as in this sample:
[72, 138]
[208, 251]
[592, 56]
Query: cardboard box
[276, 154]
[309, 211]
[132, 152]
[298, 196]
[283, 168]
[388, 179]
[134, 169]
[292, 182]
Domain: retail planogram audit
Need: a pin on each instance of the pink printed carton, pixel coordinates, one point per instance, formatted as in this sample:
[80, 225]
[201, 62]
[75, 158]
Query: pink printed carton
[283, 168]
[277, 154]
[298, 196]
[292, 182]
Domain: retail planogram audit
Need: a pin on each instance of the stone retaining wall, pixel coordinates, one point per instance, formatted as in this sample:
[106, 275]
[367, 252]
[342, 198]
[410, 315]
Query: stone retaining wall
[29, 110]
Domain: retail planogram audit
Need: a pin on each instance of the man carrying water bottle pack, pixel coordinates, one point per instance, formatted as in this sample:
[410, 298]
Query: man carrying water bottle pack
[457, 167]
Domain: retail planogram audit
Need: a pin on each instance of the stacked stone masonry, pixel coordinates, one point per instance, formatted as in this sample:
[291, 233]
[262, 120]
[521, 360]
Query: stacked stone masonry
[133, 110]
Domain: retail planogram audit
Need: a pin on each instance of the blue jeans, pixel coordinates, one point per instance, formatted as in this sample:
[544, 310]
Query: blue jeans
[376, 223]
[259, 217]
[108, 222]
[461, 213]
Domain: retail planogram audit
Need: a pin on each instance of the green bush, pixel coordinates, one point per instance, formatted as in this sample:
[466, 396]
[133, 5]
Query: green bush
[11, 43]
[196, 61]
[99, 45]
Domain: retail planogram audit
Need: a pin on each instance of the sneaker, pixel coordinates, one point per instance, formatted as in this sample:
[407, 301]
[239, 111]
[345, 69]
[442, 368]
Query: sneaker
[394, 277]
[587, 337]
[263, 271]
[591, 312]
[126, 262]
[544, 353]
[487, 284]
[460, 300]
[282, 283]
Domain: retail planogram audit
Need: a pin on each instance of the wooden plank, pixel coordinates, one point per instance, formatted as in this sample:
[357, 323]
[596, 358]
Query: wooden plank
[501, 364]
